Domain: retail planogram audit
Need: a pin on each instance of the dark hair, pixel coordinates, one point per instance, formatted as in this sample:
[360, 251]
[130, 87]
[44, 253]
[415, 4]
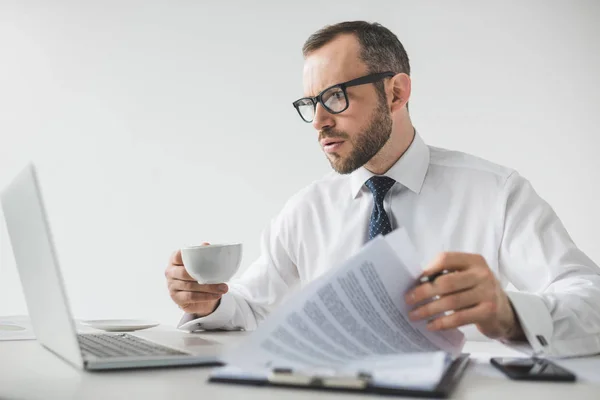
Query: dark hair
[380, 49]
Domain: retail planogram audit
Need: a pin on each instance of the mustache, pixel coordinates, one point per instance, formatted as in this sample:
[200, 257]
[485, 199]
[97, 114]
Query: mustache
[332, 134]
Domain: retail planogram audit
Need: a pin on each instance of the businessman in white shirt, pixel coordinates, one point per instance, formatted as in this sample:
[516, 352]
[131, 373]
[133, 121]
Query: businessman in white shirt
[481, 221]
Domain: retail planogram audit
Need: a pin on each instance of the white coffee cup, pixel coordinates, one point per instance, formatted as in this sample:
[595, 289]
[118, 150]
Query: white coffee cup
[214, 263]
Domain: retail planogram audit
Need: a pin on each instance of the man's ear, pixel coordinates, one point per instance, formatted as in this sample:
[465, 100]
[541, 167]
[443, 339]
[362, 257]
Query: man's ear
[400, 91]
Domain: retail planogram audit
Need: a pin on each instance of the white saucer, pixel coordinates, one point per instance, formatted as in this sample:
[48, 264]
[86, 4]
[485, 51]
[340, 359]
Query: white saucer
[120, 325]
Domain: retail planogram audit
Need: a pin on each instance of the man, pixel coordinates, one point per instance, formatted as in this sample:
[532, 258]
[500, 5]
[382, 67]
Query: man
[483, 222]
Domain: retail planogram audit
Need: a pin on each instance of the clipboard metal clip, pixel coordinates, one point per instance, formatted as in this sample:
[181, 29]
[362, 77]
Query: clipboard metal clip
[286, 376]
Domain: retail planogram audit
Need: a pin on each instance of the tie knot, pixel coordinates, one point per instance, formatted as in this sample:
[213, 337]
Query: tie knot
[379, 186]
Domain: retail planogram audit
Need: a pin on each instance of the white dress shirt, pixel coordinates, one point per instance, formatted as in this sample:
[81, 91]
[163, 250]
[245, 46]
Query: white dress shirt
[446, 201]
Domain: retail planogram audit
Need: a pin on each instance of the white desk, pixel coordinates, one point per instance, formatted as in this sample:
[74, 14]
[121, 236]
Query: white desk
[28, 371]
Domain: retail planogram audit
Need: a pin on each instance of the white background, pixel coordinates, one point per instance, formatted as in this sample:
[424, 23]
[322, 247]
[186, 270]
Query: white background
[160, 124]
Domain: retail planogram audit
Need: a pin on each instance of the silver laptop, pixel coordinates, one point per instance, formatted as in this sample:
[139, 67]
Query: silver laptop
[37, 263]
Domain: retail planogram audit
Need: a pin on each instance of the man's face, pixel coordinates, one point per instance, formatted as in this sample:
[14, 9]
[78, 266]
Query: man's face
[349, 139]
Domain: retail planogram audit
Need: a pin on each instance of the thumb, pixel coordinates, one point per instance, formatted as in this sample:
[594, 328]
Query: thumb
[176, 258]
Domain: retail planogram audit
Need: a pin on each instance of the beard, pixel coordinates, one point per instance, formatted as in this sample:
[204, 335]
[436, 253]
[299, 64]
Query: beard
[365, 145]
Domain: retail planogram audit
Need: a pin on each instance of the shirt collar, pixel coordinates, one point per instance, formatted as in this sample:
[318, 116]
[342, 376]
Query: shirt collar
[409, 170]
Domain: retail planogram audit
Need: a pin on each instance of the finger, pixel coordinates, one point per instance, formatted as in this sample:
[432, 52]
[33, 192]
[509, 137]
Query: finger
[443, 285]
[472, 315]
[455, 301]
[453, 261]
[183, 297]
[178, 285]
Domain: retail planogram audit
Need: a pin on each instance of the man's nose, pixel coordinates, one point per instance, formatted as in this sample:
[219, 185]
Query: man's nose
[323, 119]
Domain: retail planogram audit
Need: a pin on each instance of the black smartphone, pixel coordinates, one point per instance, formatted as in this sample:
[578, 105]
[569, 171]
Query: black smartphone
[534, 369]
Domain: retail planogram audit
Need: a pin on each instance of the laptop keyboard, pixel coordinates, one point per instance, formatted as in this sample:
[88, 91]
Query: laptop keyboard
[122, 345]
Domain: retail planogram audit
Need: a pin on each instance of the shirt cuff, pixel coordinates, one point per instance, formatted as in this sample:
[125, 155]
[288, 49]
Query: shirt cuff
[536, 322]
[217, 320]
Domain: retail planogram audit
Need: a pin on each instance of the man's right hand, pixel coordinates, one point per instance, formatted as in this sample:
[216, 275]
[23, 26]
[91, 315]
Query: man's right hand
[187, 293]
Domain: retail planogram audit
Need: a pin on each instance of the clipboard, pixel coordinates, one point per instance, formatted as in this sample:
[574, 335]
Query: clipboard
[353, 384]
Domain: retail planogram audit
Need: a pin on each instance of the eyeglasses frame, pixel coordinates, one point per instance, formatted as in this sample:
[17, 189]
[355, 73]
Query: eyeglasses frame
[363, 80]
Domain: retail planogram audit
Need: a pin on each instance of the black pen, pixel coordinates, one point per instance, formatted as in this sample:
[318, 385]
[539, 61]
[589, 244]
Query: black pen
[432, 277]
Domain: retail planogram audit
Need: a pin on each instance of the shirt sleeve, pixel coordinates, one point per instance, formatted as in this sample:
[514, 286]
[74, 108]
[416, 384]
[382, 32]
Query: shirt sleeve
[258, 290]
[558, 286]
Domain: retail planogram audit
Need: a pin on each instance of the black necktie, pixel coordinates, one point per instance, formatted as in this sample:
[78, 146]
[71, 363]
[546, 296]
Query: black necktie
[380, 223]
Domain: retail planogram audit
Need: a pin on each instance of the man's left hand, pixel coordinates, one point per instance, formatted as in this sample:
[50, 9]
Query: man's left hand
[471, 291]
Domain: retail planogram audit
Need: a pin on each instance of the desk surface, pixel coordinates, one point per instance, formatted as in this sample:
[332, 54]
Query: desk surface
[28, 371]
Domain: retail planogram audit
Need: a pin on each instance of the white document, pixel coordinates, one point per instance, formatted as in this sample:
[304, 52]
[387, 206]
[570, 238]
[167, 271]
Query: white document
[16, 328]
[353, 317]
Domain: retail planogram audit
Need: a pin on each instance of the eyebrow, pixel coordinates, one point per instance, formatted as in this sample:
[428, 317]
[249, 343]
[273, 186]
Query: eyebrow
[322, 89]
[358, 81]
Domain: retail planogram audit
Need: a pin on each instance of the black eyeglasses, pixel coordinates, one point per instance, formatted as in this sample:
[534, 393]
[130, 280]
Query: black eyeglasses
[334, 99]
